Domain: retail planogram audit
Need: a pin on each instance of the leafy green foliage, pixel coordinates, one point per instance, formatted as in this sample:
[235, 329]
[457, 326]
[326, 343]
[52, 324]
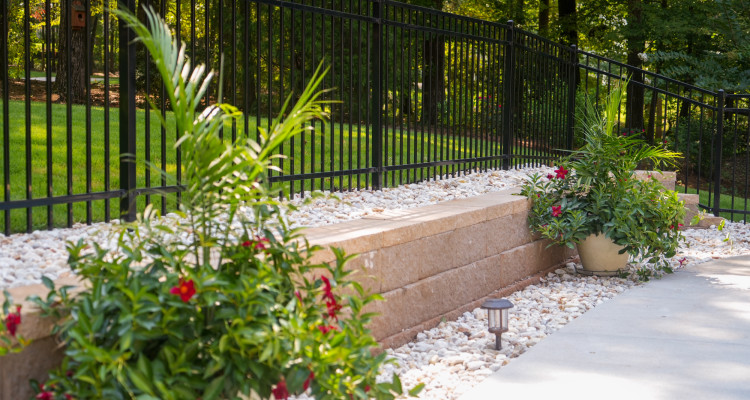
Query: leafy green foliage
[10, 319]
[595, 190]
[221, 303]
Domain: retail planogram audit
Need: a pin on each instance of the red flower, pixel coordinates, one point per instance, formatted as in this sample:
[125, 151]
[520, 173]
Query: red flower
[682, 261]
[550, 176]
[13, 320]
[309, 379]
[185, 290]
[280, 391]
[44, 394]
[68, 397]
[330, 299]
[556, 211]
[327, 328]
[259, 243]
[299, 296]
[679, 226]
[561, 172]
[624, 134]
[671, 226]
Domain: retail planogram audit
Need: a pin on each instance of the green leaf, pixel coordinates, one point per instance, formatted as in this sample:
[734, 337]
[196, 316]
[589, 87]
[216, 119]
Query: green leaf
[416, 389]
[214, 389]
[139, 380]
[48, 283]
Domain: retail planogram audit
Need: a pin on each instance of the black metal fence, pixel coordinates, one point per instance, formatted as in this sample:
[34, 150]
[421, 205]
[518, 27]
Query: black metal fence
[422, 94]
[710, 129]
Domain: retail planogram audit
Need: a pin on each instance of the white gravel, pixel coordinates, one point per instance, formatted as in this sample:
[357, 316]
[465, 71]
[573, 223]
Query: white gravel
[454, 356]
[24, 258]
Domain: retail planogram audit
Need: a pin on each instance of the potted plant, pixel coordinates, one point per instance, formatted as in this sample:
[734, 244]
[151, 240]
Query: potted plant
[594, 197]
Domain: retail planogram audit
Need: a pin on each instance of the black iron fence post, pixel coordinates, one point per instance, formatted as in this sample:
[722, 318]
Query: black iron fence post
[5, 131]
[508, 93]
[377, 95]
[127, 116]
[718, 144]
[572, 83]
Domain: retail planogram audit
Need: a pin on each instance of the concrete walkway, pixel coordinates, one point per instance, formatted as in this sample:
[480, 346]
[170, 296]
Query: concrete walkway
[685, 336]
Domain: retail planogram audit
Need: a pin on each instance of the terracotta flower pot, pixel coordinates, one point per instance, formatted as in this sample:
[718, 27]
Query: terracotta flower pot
[600, 255]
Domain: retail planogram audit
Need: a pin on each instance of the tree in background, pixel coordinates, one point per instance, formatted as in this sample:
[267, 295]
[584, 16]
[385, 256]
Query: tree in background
[714, 55]
[72, 57]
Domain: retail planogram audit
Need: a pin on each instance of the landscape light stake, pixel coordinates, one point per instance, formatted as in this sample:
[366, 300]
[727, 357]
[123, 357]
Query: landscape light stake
[497, 317]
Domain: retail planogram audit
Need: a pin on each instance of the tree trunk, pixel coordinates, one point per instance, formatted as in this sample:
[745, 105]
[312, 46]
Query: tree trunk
[433, 79]
[94, 21]
[544, 18]
[636, 44]
[518, 15]
[568, 21]
[3, 66]
[72, 55]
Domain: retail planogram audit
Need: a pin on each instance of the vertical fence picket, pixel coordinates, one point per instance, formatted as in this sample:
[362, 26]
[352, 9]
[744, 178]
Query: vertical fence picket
[377, 94]
[127, 116]
[508, 92]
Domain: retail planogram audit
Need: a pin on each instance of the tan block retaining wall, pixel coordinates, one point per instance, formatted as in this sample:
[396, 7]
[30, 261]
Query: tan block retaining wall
[429, 263]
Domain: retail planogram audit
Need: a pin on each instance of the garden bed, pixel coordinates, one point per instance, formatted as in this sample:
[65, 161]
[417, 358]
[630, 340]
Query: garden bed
[428, 263]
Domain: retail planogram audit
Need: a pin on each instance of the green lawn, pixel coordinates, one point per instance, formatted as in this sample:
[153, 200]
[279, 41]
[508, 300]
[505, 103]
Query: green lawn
[725, 202]
[335, 141]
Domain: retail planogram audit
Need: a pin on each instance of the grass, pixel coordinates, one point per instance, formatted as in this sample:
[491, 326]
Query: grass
[343, 149]
[724, 202]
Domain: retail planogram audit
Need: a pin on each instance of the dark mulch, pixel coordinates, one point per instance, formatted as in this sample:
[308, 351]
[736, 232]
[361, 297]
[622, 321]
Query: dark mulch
[38, 91]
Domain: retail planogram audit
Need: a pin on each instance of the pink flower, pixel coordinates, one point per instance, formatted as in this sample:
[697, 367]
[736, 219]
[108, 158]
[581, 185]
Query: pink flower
[185, 289]
[682, 261]
[561, 172]
[299, 296]
[556, 211]
[13, 320]
[280, 391]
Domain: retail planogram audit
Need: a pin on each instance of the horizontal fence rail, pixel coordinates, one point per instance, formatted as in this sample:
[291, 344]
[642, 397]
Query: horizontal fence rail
[418, 94]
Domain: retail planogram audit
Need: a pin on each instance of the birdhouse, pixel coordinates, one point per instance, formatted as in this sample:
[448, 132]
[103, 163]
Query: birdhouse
[78, 15]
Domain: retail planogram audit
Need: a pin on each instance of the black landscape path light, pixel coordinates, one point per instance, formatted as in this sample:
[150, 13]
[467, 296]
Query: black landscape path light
[497, 316]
